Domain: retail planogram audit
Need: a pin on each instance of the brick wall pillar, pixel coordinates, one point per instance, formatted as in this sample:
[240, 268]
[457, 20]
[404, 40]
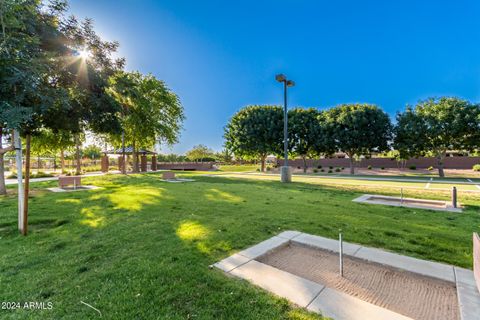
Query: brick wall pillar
[143, 163]
[154, 163]
[105, 163]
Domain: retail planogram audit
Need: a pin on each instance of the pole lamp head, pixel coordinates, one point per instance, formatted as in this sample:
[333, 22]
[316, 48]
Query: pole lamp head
[280, 78]
[290, 83]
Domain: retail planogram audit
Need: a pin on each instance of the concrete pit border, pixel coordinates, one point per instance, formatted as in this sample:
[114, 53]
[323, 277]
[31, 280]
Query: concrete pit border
[333, 303]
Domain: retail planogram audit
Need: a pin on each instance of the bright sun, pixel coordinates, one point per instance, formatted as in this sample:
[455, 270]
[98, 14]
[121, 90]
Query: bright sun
[84, 54]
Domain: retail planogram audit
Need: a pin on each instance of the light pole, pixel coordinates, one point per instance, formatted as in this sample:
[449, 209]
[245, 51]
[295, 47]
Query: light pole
[286, 173]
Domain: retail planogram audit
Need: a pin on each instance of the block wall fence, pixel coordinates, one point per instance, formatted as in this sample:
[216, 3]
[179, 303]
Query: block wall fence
[449, 162]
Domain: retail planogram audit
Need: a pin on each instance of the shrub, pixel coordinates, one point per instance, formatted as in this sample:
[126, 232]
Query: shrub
[343, 168]
[299, 167]
[12, 175]
[41, 174]
[369, 167]
[431, 168]
[315, 170]
[476, 167]
[382, 168]
[258, 169]
[337, 170]
[330, 167]
[330, 171]
[412, 167]
[323, 170]
[319, 167]
[268, 168]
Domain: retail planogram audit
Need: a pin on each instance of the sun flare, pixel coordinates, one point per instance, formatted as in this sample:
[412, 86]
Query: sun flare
[84, 54]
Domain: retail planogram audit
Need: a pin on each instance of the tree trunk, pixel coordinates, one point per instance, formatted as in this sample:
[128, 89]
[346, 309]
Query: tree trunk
[304, 164]
[124, 159]
[62, 160]
[78, 170]
[38, 163]
[440, 158]
[27, 185]
[3, 189]
[352, 164]
[135, 159]
[263, 163]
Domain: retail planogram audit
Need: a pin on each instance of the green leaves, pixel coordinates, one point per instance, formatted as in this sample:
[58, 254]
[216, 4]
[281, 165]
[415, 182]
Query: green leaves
[437, 125]
[255, 131]
[359, 129]
[150, 111]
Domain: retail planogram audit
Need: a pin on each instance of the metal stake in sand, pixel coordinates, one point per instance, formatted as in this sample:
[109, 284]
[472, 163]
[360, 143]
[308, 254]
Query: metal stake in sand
[340, 243]
[454, 197]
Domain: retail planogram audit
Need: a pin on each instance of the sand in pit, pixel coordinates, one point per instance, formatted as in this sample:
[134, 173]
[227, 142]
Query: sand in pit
[407, 293]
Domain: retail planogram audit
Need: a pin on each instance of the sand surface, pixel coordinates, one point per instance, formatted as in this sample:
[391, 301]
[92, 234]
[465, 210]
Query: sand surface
[407, 293]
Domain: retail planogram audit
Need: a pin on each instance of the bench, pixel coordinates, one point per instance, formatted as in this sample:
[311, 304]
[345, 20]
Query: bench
[168, 175]
[66, 181]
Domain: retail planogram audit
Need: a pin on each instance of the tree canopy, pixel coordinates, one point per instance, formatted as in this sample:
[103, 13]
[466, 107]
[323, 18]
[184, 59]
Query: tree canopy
[200, 153]
[359, 129]
[435, 126]
[151, 113]
[307, 134]
[255, 131]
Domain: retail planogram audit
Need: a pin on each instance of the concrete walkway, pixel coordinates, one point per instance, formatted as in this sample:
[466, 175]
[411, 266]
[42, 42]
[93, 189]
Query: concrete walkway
[385, 178]
[91, 174]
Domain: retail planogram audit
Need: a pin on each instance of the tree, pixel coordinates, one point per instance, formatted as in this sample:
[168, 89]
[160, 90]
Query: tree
[307, 134]
[225, 156]
[358, 129]
[255, 131]
[435, 126]
[92, 152]
[200, 153]
[152, 112]
[41, 83]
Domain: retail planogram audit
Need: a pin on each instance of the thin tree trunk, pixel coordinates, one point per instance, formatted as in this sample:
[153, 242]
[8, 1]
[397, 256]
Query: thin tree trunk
[124, 160]
[304, 164]
[440, 158]
[77, 155]
[263, 163]
[3, 189]
[135, 159]
[352, 164]
[38, 163]
[62, 160]
[27, 185]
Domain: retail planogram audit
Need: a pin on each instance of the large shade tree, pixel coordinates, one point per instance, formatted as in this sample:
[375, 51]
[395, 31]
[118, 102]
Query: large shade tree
[358, 130]
[255, 131]
[307, 134]
[200, 153]
[435, 126]
[151, 112]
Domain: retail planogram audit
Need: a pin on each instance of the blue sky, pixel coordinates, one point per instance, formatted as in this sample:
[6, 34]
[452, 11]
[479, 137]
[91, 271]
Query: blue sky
[219, 56]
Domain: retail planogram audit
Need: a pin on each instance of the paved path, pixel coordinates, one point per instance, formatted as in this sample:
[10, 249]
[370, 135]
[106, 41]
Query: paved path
[386, 178]
[14, 181]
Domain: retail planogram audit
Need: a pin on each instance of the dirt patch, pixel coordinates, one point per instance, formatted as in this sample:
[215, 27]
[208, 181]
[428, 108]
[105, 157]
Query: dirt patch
[407, 293]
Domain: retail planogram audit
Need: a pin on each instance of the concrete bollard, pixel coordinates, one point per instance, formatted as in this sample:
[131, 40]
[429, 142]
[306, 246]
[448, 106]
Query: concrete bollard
[454, 197]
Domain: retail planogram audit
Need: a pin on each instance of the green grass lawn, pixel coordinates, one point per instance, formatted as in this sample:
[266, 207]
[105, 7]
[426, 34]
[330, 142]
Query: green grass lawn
[140, 248]
[393, 183]
[239, 168]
